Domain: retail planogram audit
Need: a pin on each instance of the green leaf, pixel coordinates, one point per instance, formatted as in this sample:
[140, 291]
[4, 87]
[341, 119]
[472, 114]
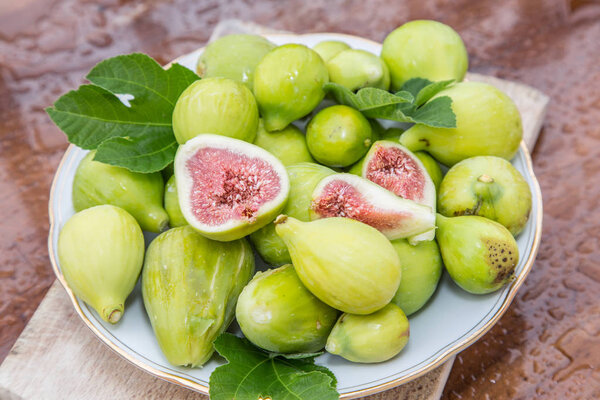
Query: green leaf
[252, 374]
[415, 85]
[436, 113]
[431, 90]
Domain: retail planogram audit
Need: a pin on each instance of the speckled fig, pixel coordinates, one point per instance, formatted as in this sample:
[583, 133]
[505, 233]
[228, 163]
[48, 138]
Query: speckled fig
[101, 251]
[356, 69]
[370, 338]
[489, 187]
[347, 264]
[329, 48]
[479, 254]
[228, 188]
[176, 218]
[190, 286]
[141, 195]
[288, 144]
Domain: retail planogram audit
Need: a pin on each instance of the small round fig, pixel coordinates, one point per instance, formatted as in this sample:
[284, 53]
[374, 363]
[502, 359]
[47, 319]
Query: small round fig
[288, 144]
[356, 69]
[338, 136]
[276, 312]
[432, 167]
[172, 204]
[219, 106]
[489, 187]
[370, 338]
[329, 48]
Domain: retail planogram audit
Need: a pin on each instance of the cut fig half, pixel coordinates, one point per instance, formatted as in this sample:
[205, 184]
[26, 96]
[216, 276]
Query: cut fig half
[228, 188]
[350, 196]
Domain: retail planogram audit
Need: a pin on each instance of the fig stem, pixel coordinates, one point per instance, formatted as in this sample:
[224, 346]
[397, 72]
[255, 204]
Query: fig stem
[485, 179]
[115, 315]
[281, 218]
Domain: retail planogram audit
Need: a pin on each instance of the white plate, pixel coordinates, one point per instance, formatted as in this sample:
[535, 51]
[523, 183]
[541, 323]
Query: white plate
[451, 321]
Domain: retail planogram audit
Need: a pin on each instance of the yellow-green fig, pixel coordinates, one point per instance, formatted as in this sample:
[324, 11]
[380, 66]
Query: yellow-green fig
[101, 251]
[288, 144]
[276, 312]
[176, 218]
[141, 195]
[190, 286]
[479, 254]
[347, 264]
[370, 338]
[288, 84]
[356, 69]
[488, 123]
[329, 48]
[432, 167]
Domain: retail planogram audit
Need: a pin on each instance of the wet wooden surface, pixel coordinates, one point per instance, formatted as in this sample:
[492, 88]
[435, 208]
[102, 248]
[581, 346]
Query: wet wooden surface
[546, 345]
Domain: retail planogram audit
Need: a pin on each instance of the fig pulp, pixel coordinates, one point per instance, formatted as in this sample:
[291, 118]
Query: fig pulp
[228, 188]
[288, 144]
[172, 204]
[101, 251]
[487, 124]
[489, 187]
[329, 48]
[190, 286]
[479, 254]
[347, 264]
[276, 312]
[350, 196]
[141, 195]
[356, 69]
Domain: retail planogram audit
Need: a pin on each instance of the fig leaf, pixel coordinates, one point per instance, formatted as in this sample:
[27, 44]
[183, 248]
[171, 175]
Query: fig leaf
[252, 374]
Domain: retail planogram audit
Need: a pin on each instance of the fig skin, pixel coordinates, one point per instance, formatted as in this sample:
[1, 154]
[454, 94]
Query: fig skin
[190, 286]
[234, 57]
[304, 177]
[370, 338]
[219, 106]
[288, 144]
[424, 49]
[330, 48]
[356, 69]
[348, 265]
[487, 123]
[479, 254]
[288, 84]
[176, 218]
[141, 195]
[489, 187]
[432, 167]
[277, 313]
[421, 272]
[101, 251]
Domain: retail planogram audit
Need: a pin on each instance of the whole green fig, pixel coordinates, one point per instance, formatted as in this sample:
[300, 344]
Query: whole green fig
[288, 84]
[288, 144]
[370, 338]
[190, 286]
[176, 218]
[432, 167]
[276, 312]
[329, 48]
[356, 69]
[101, 251]
[141, 195]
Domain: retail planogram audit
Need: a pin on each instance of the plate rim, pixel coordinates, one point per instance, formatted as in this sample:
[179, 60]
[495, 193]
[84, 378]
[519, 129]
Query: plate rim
[443, 357]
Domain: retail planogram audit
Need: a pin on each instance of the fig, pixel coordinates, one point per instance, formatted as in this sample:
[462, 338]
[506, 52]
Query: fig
[329, 48]
[288, 84]
[347, 264]
[421, 272]
[489, 187]
[304, 177]
[228, 188]
[101, 251]
[172, 204]
[432, 167]
[356, 69]
[338, 136]
[350, 196]
[487, 124]
[479, 254]
[190, 286]
[370, 338]
[288, 144]
[424, 49]
[234, 57]
[141, 195]
[392, 134]
[219, 106]
[276, 312]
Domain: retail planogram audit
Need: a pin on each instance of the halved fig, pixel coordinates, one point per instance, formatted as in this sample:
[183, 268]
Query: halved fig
[350, 196]
[228, 188]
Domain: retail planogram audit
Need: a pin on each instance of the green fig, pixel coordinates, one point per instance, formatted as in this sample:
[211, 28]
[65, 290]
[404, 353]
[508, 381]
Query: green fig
[489, 187]
[329, 48]
[288, 144]
[288, 84]
[141, 195]
[176, 218]
[219, 106]
[190, 286]
[356, 69]
[432, 167]
[392, 134]
[370, 338]
[276, 312]
[234, 57]
[487, 123]
[304, 177]
[421, 272]
[479, 254]
[101, 251]
[347, 264]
